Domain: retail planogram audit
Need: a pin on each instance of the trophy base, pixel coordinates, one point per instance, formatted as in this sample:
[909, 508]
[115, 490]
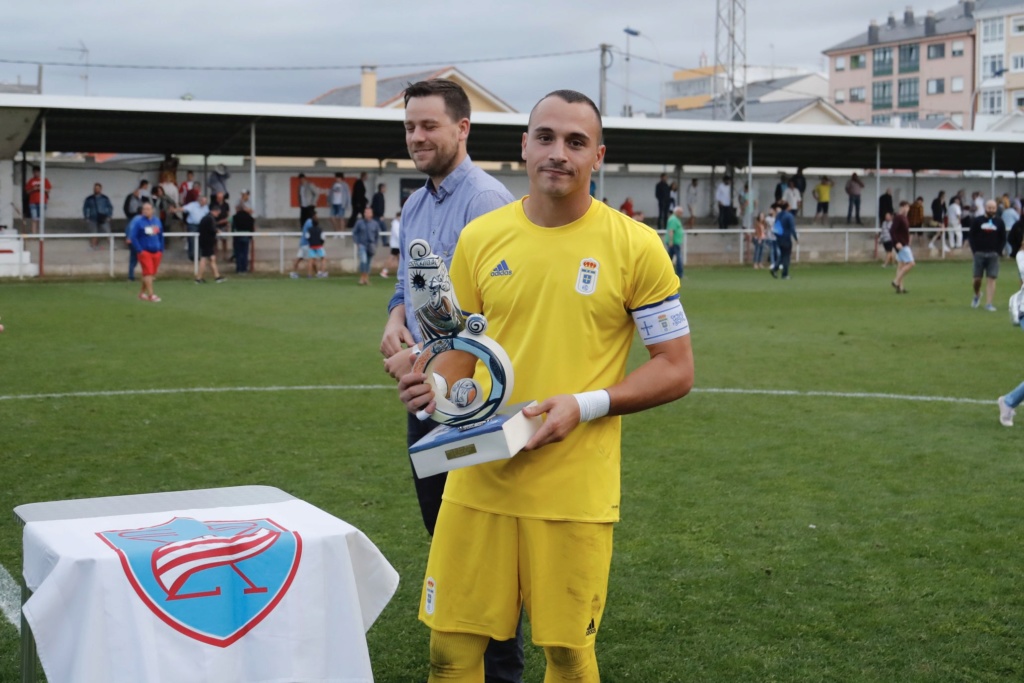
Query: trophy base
[499, 437]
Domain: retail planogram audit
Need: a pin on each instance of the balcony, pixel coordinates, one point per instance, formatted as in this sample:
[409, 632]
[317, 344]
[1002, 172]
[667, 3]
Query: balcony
[909, 67]
[882, 104]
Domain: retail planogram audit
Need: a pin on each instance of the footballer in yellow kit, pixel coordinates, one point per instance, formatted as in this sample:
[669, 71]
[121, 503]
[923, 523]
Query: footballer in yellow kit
[565, 282]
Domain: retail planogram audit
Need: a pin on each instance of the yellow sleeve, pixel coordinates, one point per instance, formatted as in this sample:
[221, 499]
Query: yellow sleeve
[464, 284]
[654, 279]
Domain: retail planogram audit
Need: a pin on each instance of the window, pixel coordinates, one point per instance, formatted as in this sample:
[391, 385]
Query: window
[936, 86]
[1018, 26]
[991, 101]
[908, 117]
[883, 61]
[991, 66]
[937, 51]
[907, 92]
[857, 95]
[956, 84]
[956, 48]
[881, 95]
[840, 96]
[935, 117]
[910, 58]
[992, 30]
[1017, 62]
[1018, 99]
[881, 119]
[840, 63]
[858, 61]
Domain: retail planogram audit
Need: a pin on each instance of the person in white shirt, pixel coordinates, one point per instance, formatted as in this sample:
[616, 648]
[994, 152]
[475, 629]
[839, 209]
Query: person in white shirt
[723, 196]
[341, 200]
[691, 204]
[194, 212]
[791, 195]
[955, 230]
[395, 245]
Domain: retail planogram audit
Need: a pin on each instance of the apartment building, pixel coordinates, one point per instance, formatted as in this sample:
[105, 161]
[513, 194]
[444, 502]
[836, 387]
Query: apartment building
[1000, 64]
[908, 71]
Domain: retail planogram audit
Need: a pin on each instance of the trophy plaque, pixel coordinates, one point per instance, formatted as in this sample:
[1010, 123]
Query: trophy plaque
[474, 428]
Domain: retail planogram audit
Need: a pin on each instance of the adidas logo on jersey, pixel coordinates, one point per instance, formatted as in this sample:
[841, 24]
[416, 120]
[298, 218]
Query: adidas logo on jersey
[591, 630]
[501, 269]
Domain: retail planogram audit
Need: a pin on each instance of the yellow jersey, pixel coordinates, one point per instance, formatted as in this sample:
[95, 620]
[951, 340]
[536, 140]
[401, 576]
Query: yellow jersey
[560, 302]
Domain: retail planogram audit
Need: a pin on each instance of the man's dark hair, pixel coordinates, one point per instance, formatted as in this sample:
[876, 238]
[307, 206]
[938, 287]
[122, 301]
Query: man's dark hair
[904, 203]
[574, 97]
[143, 183]
[380, 187]
[456, 102]
[302, 175]
[339, 175]
[145, 204]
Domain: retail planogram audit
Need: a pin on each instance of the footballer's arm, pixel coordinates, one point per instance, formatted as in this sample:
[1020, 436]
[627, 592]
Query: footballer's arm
[666, 376]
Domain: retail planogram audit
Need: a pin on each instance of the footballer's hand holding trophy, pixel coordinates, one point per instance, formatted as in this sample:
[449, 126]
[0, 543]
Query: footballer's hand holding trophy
[474, 428]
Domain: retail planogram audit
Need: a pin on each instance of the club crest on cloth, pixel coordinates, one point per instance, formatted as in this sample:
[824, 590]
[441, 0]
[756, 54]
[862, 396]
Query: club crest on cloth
[213, 581]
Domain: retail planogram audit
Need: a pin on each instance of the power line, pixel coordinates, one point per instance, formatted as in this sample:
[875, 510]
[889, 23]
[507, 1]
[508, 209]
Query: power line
[336, 67]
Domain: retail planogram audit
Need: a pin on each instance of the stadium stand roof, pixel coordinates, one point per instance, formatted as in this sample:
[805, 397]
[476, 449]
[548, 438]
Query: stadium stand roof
[93, 124]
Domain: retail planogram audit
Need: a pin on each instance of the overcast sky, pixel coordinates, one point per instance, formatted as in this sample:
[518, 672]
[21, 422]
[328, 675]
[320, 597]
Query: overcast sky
[392, 32]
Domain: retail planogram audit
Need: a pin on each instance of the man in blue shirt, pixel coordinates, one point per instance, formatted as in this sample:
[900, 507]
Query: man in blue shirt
[194, 212]
[456, 192]
[146, 234]
[785, 235]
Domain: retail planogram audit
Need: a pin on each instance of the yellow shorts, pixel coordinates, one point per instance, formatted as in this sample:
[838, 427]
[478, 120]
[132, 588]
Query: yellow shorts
[483, 567]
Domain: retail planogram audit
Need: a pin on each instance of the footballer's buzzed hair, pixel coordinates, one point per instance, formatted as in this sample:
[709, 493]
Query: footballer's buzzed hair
[573, 97]
[456, 101]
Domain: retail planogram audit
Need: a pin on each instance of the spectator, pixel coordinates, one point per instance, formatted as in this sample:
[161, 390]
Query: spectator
[377, 204]
[674, 239]
[780, 187]
[144, 191]
[854, 187]
[723, 197]
[673, 196]
[987, 239]
[97, 211]
[979, 205]
[954, 216]
[792, 195]
[308, 196]
[1011, 213]
[823, 194]
[900, 231]
[315, 238]
[218, 182]
[303, 252]
[223, 221]
[785, 235]
[32, 189]
[691, 204]
[133, 203]
[394, 243]
[885, 205]
[915, 215]
[341, 198]
[146, 235]
[194, 212]
[800, 182]
[885, 239]
[760, 223]
[161, 204]
[939, 221]
[746, 207]
[208, 243]
[189, 190]
[359, 200]
[242, 222]
[662, 192]
[771, 244]
[627, 207]
[366, 235]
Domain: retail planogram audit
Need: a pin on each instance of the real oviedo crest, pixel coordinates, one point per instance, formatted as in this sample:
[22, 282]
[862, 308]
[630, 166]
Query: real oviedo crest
[213, 581]
[586, 278]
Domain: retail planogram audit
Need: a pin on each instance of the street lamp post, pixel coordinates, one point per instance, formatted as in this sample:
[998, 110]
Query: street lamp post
[661, 69]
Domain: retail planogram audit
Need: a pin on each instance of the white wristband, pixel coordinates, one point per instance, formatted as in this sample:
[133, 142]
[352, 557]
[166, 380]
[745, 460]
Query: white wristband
[593, 404]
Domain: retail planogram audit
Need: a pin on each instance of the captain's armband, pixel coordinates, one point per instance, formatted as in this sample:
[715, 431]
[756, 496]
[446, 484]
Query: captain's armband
[662, 321]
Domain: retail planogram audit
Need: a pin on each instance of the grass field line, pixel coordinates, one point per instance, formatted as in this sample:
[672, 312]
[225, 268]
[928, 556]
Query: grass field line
[10, 598]
[362, 387]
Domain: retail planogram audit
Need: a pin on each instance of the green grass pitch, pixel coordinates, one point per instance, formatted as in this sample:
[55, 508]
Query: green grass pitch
[764, 537]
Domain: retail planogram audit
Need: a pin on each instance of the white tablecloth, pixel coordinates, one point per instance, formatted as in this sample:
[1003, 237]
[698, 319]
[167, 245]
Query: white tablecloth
[277, 593]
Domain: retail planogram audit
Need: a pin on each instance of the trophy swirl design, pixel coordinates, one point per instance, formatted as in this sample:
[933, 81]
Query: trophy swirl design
[460, 402]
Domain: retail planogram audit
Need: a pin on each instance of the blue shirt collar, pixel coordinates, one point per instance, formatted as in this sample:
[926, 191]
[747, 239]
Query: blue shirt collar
[451, 182]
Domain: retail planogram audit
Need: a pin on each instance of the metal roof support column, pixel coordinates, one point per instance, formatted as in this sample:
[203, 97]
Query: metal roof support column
[252, 167]
[42, 190]
[993, 194]
[878, 185]
[750, 192]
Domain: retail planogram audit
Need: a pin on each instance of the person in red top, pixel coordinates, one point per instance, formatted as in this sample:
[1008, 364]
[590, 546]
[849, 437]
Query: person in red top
[189, 190]
[32, 189]
[627, 207]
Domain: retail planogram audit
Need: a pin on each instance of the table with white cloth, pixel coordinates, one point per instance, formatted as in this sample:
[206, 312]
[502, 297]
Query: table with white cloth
[242, 584]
